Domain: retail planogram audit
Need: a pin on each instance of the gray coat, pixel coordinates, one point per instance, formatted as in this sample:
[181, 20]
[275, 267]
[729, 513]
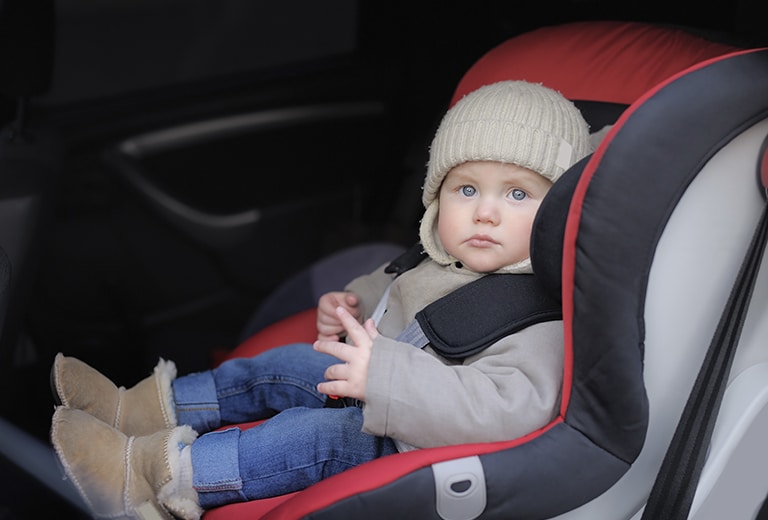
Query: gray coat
[422, 399]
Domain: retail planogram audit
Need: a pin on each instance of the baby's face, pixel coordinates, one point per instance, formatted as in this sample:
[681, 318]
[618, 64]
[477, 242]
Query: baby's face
[486, 213]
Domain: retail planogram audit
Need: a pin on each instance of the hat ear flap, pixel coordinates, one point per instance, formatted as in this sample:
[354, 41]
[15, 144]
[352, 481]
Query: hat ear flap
[428, 235]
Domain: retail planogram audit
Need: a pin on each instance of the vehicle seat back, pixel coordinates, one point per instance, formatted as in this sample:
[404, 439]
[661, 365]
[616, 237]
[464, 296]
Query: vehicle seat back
[664, 212]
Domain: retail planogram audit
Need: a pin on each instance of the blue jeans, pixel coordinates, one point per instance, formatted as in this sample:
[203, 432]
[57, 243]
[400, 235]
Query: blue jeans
[302, 442]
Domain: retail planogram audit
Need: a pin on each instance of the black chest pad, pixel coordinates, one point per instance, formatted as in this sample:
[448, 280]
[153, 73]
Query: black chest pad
[474, 316]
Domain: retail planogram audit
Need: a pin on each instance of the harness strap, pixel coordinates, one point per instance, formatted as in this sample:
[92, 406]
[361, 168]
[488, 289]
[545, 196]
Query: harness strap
[476, 315]
[414, 335]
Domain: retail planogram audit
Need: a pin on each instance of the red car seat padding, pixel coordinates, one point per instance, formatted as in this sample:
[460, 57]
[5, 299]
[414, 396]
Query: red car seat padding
[611, 62]
[297, 328]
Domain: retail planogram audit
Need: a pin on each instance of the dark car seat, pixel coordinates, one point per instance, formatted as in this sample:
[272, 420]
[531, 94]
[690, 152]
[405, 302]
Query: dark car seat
[643, 241]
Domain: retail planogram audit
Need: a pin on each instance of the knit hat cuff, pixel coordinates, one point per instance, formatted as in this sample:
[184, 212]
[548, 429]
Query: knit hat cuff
[500, 141]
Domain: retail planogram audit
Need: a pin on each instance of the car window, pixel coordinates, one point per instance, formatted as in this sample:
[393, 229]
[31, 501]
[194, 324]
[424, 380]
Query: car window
[104, 48]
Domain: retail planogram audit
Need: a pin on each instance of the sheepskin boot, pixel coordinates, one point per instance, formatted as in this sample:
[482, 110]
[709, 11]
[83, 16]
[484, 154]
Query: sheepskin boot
[126, 477]
[145, 408]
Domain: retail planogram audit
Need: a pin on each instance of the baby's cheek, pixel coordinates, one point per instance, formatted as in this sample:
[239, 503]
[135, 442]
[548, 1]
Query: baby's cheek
[446, 234]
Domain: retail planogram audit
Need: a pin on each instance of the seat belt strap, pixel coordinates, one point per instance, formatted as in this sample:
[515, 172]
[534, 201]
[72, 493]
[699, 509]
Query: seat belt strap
[414, 335]
[673, 491]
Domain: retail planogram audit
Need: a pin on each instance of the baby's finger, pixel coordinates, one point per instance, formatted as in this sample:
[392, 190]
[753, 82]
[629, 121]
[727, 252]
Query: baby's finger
[351, 299]
[355, 331]
[334, 348]
[339, 371]
[370, 328]
[332, 388]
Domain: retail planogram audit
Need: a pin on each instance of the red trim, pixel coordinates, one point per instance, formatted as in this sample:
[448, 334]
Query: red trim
[254, 509]
[764, 167]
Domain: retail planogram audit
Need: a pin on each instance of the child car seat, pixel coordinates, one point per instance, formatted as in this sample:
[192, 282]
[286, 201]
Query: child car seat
[643, 241]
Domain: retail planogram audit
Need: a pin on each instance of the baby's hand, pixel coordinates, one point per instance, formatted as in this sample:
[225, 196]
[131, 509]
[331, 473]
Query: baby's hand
[329, 326]
[348, 379]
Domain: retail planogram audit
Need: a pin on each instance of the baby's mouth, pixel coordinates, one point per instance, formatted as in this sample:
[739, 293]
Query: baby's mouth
[481, 241]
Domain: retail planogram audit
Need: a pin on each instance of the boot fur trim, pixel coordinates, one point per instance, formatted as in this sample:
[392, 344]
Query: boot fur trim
[179, 499]
[165, 373]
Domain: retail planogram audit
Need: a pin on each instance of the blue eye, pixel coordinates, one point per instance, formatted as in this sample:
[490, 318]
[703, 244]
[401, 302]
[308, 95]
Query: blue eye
[468, 191]
[518, 194]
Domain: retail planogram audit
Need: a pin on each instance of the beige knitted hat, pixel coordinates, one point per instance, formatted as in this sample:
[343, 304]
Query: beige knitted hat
[514, 122]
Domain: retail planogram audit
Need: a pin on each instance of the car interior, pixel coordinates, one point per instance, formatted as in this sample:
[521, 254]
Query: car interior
[163, 201]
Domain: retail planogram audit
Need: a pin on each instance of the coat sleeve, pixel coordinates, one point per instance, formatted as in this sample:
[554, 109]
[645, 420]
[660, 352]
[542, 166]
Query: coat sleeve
[510, 389]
